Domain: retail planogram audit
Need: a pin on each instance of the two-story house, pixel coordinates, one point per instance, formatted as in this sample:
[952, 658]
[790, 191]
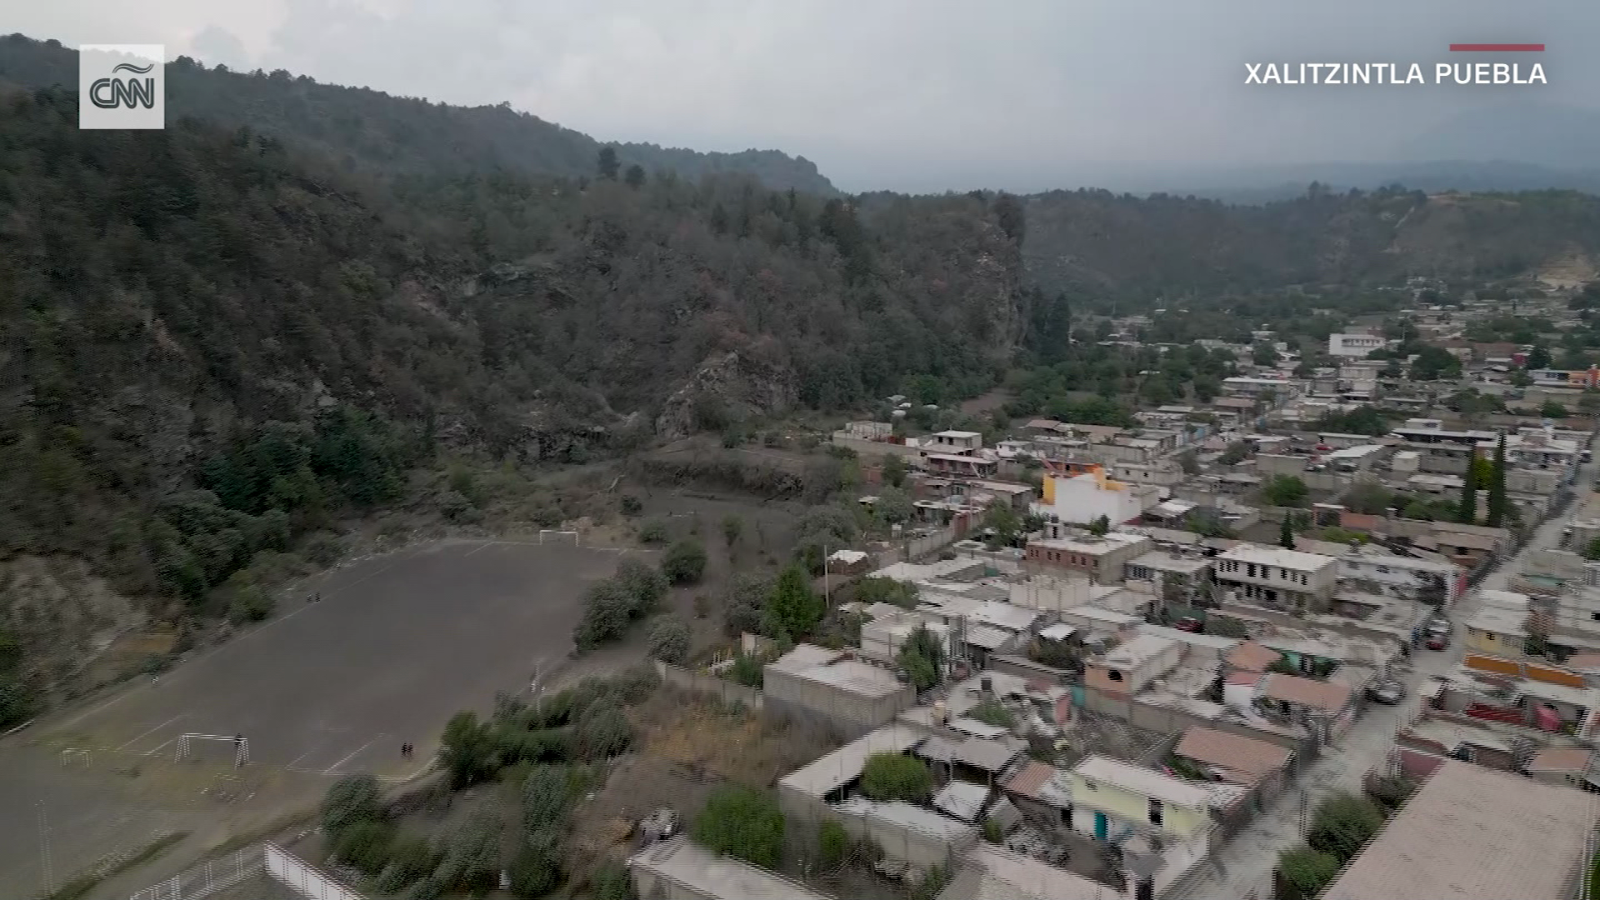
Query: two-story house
[1114, 800]
[1277, 578]
[1101, 558]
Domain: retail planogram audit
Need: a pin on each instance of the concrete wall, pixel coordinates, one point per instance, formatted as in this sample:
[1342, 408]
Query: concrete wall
[844, 713]
[920, 850]
[873, 449]
[1166, 720]
[710, 685]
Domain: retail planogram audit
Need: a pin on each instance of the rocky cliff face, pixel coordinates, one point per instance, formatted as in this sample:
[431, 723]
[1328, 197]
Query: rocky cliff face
[730, 388]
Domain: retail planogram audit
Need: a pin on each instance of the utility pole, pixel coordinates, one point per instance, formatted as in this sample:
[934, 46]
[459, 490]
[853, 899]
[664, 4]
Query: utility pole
[44, 851]
[827, 598]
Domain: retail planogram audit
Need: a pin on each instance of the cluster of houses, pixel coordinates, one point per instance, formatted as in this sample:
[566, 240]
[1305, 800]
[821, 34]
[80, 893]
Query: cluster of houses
[1129, 685]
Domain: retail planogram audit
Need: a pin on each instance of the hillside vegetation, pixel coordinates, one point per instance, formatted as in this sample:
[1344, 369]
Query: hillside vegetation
[214, 347]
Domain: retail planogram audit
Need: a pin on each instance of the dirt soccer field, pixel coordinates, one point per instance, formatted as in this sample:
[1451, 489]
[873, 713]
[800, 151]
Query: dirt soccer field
[397, 644]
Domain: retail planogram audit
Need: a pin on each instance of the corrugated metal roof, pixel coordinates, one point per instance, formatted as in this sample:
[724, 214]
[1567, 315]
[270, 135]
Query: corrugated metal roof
[962, 800]
[985, 754]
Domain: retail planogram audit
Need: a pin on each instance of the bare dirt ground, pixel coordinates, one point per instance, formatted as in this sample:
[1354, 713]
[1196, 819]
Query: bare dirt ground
[397, 644]
[688, 746]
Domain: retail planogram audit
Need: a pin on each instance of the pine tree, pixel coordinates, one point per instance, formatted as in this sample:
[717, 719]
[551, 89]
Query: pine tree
[1286, 536]
[1467, 510]
[607, 163]
[1497, 486]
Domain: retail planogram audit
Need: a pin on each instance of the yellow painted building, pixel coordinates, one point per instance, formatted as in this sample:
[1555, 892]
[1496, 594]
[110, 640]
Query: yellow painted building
[1110, 798]
[1496, 631]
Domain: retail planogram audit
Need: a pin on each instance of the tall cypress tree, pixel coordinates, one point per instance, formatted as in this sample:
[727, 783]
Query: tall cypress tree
[1497, 486]
[1468, 508]
[1286, 536]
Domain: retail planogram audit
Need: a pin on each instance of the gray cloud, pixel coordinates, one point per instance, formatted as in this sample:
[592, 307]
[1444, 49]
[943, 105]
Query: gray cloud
[895, 93]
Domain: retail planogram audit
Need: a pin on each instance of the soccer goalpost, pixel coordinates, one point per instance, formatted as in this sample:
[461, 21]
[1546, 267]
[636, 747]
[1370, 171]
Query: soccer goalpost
[74, 756]
[241, 747]
[558, 537]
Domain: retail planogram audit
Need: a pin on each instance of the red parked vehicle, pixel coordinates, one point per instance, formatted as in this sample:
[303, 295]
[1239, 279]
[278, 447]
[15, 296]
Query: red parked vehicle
[1189, 624]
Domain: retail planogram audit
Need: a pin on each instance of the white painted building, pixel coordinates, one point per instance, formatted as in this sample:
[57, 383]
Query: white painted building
[1355, 346]
[1277, 577]
[1080, 499]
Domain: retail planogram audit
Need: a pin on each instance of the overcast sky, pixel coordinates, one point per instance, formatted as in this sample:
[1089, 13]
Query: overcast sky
[899, 94]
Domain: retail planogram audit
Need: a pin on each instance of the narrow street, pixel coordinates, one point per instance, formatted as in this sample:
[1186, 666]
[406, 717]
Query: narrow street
[1243, 869]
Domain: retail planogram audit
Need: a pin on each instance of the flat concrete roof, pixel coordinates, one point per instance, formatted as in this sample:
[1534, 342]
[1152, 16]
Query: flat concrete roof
[1471, 833]
[1141, 649]
[1281, 557]
[855, 677]
[1214, 641]
[721, 877]
[842, 766]
[804, 656]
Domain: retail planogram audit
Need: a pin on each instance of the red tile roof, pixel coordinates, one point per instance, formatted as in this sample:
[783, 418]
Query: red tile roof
[1249, 756]
[1253, 657]
[1322, 695]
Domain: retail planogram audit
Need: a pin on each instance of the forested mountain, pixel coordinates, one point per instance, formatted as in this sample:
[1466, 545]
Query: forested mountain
[382, 133]
[213, 310]
[1100, 243]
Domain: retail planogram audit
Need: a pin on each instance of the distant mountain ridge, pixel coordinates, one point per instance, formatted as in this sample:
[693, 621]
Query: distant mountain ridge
[1107, 244]
[374, 130]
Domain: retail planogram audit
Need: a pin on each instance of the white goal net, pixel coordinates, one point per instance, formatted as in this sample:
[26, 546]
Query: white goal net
[239, 743]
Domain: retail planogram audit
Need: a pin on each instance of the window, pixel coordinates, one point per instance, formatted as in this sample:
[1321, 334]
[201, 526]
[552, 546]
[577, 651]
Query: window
[1155, 811]
[1115, 674]
[1090, 785]
[1066, 818]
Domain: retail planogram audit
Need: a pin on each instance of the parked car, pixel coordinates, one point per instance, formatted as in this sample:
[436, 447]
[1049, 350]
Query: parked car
[1190, 624]
[1439, 640]
[1389, 693]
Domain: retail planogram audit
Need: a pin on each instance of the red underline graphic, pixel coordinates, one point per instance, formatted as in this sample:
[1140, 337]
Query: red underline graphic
[1496, 48]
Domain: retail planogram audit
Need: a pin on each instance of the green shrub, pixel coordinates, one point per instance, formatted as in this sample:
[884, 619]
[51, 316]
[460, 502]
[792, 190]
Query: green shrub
[748, 671]
[365, 845]
[653, 532]
[545, 798]
[833, 842]
[631, 505]
[1307, 870]
[743, 823]
[993, 712]
[350, 801]
[535, 870]
[1343, 824]
[602, 732]
[251, 603]
[668, 639]
[685, 562]
[894, 776]
[612, 882]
